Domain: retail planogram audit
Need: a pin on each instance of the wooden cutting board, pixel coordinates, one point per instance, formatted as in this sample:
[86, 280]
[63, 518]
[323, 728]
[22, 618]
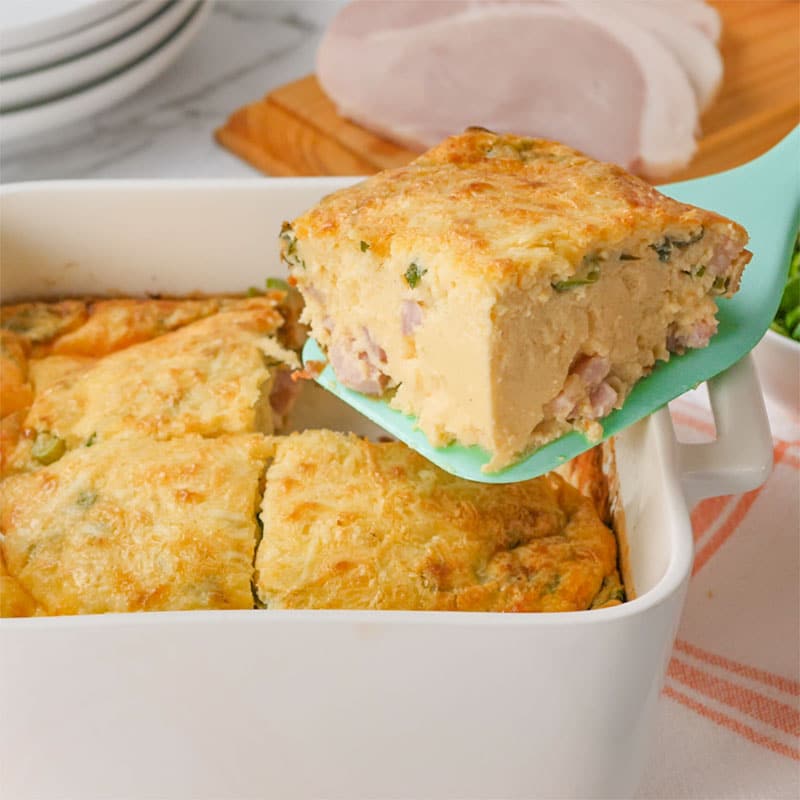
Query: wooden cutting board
[295, 129]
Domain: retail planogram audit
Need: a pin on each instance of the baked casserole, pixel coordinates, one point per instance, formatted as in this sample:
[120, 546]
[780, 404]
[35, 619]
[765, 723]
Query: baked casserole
[505, 290]
[349, 523]
[141, 474]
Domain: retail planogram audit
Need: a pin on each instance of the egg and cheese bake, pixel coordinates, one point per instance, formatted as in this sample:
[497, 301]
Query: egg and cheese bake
[141, 472]
[505, 290]
[349, 523]
[133, 449]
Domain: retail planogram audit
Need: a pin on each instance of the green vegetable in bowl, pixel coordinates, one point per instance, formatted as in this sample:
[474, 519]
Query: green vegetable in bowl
[787, 320]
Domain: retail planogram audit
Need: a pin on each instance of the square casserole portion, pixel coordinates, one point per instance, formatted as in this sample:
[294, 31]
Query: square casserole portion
[134, 525]
[222, 374]
[508, 289]
[352, 524]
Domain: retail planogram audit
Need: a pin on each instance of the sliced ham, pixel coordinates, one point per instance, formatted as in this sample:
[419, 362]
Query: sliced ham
[420, 71]
[696, 52]
[697, 13]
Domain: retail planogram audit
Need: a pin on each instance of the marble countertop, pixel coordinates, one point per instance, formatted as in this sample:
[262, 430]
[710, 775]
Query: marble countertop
[246, 48]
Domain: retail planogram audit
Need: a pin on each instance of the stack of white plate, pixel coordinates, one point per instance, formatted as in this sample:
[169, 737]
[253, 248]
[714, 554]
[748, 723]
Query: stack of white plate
[64, 60]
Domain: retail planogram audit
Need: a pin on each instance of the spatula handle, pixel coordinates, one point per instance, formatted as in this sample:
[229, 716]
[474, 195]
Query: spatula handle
[740, 458]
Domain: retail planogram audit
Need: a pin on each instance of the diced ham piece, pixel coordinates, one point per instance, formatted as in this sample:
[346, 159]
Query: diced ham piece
[375, 353]
[563, 404]
[591, 369]
[602, 399]
[418, 71]
[410, 317]
[723, 257]
[699, 335]
[355, 369]
[586, 378]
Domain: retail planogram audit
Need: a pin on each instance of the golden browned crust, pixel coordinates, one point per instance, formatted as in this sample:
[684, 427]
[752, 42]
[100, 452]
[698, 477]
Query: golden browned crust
[353, 524]
[495, 208]
[97, 327]
[136, 526]
[40, 322]
[209, 377]
[14, 600]
[113, 325]
[16, 392]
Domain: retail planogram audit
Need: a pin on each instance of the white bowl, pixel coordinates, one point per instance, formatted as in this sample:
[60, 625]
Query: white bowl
[79, 73]
[40, 56]
[778, 362]
[336, 704]
[17, 125]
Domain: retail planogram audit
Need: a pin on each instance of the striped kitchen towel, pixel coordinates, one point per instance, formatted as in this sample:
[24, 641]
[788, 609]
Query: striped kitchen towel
[730, 710]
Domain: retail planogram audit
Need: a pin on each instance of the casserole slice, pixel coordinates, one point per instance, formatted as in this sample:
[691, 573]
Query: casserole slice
[134, 525]
[506, 290]
[226, 373]
[348, 523]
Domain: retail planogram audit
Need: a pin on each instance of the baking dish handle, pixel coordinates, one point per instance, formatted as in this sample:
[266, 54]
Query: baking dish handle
[740, 459]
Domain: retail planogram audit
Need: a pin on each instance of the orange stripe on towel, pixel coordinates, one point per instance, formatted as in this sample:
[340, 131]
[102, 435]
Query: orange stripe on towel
[731, 724]
[706, 513]
[779, 715]
[753, 673]
[723, 533]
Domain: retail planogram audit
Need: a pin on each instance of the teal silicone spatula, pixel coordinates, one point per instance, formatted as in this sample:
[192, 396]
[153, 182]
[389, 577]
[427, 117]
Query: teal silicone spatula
[761, 195]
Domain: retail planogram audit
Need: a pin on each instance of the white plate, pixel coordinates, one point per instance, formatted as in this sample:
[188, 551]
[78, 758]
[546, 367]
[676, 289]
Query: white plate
[27, 22]
[30, 121]
[46, 54]
[79, 73]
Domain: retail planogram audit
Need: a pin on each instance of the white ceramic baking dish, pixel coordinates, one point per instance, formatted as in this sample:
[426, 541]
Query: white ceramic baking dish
[285, 704]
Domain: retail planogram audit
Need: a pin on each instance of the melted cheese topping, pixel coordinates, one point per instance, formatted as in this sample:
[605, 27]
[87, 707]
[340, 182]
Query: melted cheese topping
[136, 526]
[352, 524]
[208, 378]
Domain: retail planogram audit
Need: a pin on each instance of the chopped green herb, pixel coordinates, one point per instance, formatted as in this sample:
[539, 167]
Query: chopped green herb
[86, 499]
[92, 439]
[592, 259]
[364, 246]
[553, 584]
[289, 255]
[611, 590]
[277, 283]
[663, 248]
[48, 447]
[413, 274]
[628, 257]
[563, 286]
[693, 239]
[720, 285]
[695, 271]
[254, 292]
